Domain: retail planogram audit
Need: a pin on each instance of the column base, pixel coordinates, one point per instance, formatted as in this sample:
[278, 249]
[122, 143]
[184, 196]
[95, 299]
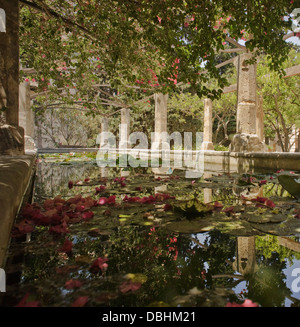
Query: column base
[207, 146]
[246, 143]
[11, 140]
[29, 143]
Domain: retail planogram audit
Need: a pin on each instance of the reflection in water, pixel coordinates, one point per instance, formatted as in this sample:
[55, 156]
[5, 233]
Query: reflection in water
[134, 253]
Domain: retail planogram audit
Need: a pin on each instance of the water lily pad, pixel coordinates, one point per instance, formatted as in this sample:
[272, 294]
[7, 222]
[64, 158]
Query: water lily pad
[192, 207]
[290, 184]
[191, 226]
[264, 218]
[289, 227]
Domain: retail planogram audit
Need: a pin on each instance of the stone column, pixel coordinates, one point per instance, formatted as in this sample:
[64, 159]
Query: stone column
[246, 139]
[161, 116]
[12, 137]
[207, 129]
[260, 119]
[26, 115]
[125, 129]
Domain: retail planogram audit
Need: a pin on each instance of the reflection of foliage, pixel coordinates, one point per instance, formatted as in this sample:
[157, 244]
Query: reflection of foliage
[268, 245]
[168, 265]
[267, 285]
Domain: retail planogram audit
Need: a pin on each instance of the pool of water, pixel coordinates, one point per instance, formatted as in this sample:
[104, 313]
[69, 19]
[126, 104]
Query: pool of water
[141, 237]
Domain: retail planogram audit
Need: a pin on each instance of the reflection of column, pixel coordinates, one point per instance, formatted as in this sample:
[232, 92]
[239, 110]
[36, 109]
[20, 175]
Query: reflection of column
[246, 139]
[245, 262]
[104, 172]
[207, 129]
[207, 192]
[161, 188]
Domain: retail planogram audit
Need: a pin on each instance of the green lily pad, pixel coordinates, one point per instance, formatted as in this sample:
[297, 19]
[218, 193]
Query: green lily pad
[192, 207]
[191, 226]
[290, 184]
[289, 227]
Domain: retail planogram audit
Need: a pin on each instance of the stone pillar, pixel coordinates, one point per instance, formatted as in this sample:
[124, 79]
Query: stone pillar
[260, 119]
[26, 115]
[124, 129]
[207, 129]
[161, 116]
[246, 139]
[9, 76]
[9, 61]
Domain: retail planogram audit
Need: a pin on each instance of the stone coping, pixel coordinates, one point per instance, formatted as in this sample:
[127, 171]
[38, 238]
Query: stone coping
[15, 178]
[228, 160]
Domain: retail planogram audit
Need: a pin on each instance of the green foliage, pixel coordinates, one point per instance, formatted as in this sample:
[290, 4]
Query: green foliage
[219, 147]
[280, 100]
[155, 43]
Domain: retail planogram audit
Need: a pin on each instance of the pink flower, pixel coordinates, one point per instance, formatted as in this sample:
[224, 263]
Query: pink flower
[102, 201]
[99, 264]
[247, 303]
[87, 215]
[159, 19]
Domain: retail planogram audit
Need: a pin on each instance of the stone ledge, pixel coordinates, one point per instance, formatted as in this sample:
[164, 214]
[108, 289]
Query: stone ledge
[255, 160]
[15, 177]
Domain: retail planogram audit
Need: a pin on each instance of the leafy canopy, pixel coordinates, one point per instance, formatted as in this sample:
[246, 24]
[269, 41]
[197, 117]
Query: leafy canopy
[149, 44]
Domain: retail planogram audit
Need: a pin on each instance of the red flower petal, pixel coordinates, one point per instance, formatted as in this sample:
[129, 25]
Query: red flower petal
[72, 283]
[128, 286]
[67, 246]
[80, 302]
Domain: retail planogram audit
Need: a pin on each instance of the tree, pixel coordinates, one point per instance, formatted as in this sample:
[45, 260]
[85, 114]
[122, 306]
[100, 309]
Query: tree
[67, 126]
[155, 45]
[281, 101]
